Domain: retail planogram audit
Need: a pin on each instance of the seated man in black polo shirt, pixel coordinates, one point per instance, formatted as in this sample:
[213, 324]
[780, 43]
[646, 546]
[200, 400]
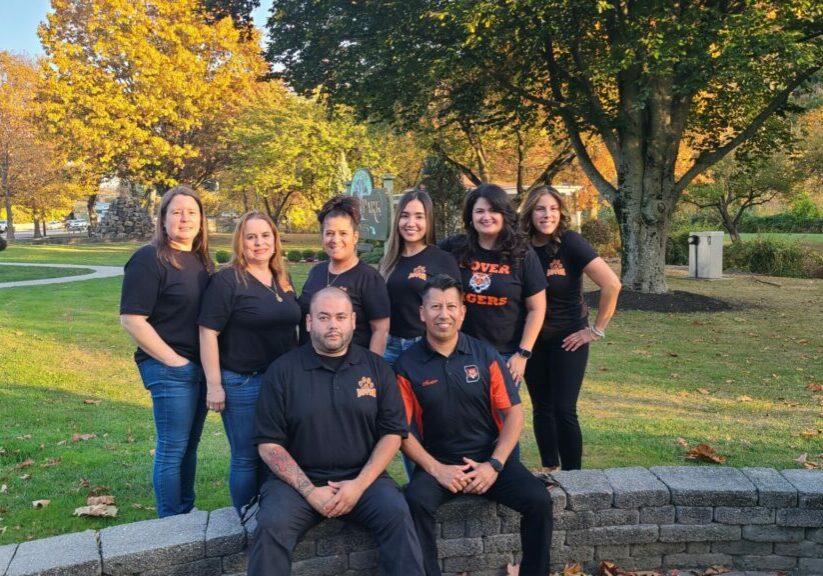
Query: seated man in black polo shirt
[329, 421]
[456, 388]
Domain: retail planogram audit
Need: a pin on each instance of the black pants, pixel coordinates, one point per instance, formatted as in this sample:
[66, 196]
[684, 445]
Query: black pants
[554, 378]
[515, 487]
[285, 516]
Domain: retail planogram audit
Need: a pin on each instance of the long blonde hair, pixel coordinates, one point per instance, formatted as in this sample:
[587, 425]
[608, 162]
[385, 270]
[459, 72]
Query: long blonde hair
[276, 263]
[395, 244]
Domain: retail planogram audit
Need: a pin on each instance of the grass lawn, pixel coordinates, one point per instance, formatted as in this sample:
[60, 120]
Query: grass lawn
[18, 273]
[736, 380]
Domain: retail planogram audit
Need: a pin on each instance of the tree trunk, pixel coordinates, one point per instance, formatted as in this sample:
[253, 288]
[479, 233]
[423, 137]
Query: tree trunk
[4, 182]
[43, 226]
[34, 215]
[92, 212]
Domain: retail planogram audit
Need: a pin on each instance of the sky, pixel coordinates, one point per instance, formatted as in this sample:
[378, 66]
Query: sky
[19, 20]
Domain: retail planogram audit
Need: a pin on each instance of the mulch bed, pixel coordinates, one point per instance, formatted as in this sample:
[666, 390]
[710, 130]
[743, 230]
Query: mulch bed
[676, 301]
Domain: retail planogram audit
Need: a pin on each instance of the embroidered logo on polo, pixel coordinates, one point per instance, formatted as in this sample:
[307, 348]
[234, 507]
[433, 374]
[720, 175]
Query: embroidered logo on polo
[556, 269]
[480, 281]
[365, 387]
[418, 272]
[472, 373]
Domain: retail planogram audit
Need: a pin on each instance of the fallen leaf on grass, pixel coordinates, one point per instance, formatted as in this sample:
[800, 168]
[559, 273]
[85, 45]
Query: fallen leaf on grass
[40, 503]
[683, 393]
[98, 490]
[2, 530]
[151, 452]
[138, 506]
[50, 462]
[804, 461]
[744, 398]
[96, 510]
[83, 483]
[24, 464]
[77, 437]
[673, 354]
[4, 488]
[573, 570]
[91, 401]
[24, 437]
[95, 500]
[25, 477]
[705, 453]
[716, 569]
[815, 387]
[703, 391]
[682, 443]
[808, 432]
[61, 443]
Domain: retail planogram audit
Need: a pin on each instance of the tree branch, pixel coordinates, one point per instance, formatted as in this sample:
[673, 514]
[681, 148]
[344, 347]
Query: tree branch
[464, 169]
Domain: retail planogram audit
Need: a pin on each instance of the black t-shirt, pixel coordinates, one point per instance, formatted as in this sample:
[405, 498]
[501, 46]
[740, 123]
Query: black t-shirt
[365, 287]
[566, 310]
[405, 286]
[455, 401]
[168, 296]
[255, 329]
[329, 421]
[495, 295]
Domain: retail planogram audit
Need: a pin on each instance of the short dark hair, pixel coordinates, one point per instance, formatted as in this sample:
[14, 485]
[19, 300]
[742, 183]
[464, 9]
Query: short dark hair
[442, 282]
[341, 206]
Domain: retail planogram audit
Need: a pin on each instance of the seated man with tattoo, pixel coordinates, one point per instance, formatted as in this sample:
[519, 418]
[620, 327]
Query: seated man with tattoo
[329, 421]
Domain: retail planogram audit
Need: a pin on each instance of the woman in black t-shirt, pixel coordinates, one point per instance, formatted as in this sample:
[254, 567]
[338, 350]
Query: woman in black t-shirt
[504, 287]
[340, 220]
[249, 318]
[411, 259]
[159, 303]
[555, 372]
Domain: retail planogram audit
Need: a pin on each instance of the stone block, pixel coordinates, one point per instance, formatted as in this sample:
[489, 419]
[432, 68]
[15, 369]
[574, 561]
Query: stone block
[463, 507]
[151, 544]
[501, 543]
[800, 517]
[815, 535]
[457, 528]
[657, 514]
[811, 566]
[743, 547]
[773, 490]
[804, 548]
[224, 533]
[352, 539]
[698, 532]
[704, 486]
[66, 555]
[611, 535]
[305, 549]
[657, 548]
[694, 514]
[460, 547]
[484, 526]
[569, 520]
[558, 498]
[695, 560]
[6, 554]
[698, 547]
[363, 560]
[809, 484]
[772, 534]
[558, 538]
[636, 487]
[324, 566]
[585, 489]
[234, 563]
[767, 562]
[571, 554]
[202, 567]
[616, 517]
[748, 515]
[611, 552]
[474, 563]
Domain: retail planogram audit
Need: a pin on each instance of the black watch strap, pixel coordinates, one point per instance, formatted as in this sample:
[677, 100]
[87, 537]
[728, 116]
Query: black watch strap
[524, 353]
[496, 464]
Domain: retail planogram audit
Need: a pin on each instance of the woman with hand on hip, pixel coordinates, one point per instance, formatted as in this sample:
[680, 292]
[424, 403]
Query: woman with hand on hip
[411, 259]
[340, 222]
[159, 304]
[554, 375]
[248, 318]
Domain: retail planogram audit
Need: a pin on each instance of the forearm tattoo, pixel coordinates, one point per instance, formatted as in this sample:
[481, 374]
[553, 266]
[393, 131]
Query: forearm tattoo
[284, 466]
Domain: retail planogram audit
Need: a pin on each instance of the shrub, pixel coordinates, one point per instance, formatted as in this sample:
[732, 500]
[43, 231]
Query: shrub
[3, 243]
[768, 256]
[372, 257]
[602, 235]
[785, 222]
[222, 256]
[308, 255]
[677, 248]
[322, 256]
[294, 255]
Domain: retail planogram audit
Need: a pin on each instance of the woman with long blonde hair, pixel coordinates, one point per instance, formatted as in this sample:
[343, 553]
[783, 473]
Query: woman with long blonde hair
[249, 318]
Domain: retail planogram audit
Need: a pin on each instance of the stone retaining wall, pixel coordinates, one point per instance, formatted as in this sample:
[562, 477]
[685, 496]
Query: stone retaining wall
[754, 520]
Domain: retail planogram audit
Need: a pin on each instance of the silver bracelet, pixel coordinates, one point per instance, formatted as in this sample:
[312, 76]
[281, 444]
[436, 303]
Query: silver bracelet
[596, 332]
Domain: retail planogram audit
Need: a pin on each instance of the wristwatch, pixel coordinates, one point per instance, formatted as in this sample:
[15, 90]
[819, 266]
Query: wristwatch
[524, 353]
[496, 464]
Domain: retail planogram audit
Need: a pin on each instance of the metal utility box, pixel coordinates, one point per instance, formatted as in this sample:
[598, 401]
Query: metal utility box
[706, 255]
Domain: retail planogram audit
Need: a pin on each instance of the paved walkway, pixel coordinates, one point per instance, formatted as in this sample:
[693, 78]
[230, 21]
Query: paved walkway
[96, 272]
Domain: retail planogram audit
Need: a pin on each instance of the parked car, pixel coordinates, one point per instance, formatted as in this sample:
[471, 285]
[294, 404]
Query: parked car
[54, 225]
[4, 226]
[77, 225]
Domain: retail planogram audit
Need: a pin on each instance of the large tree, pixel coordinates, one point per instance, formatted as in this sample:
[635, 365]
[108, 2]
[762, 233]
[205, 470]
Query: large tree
[644, 76]
[143, 90]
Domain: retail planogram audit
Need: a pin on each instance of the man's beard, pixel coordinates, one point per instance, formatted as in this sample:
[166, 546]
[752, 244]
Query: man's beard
[319, 343]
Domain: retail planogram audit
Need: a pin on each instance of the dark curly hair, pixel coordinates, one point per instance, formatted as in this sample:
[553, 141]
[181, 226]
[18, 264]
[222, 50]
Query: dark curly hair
[511, 244]
[341, 206]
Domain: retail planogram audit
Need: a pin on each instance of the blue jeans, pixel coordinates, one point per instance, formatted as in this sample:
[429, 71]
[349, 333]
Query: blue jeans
[178, 397]
[396, 346]
[246, 468]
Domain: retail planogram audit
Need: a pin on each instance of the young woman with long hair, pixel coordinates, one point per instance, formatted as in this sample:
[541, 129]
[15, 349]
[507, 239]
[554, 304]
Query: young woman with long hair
[554, 375]
[159, 303]
[248, 318]
[411, 259]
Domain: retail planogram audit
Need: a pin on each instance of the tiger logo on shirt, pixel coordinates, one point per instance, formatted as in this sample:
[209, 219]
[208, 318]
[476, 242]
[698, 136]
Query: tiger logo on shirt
[556, 268]
[418, 272]
[480, 282]
[365, 387]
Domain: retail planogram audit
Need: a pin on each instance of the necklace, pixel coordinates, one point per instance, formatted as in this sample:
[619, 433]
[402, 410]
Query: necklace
[329, 281]
[272, 288]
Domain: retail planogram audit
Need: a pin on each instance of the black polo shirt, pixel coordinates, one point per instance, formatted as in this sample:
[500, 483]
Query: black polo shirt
[329, 421]
[455, 401]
